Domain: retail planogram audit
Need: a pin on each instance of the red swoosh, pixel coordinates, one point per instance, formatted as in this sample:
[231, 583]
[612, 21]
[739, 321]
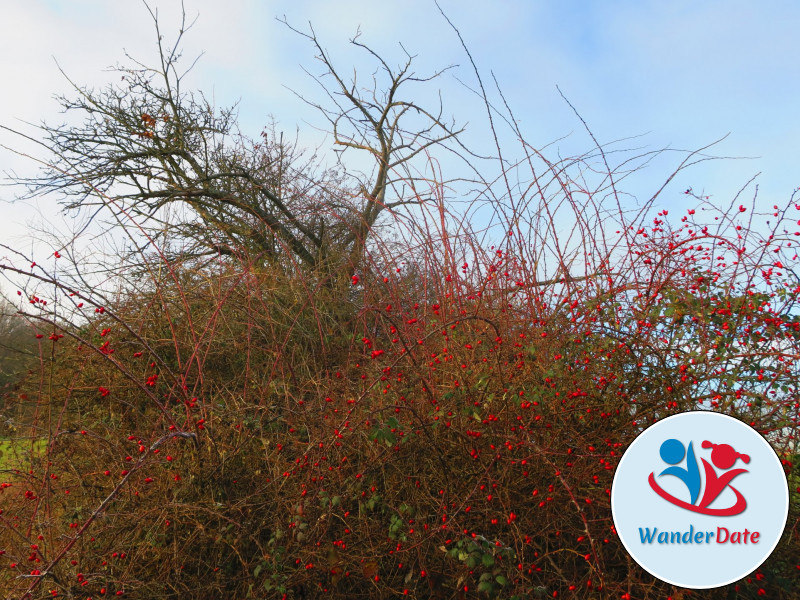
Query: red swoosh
[737, 508]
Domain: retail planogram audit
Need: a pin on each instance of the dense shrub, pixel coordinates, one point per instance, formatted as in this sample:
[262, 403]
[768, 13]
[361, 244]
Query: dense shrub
[439, 416]
[232, 432]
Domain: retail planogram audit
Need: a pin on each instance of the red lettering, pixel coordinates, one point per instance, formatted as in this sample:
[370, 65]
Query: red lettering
[720, 539]
[737, 537]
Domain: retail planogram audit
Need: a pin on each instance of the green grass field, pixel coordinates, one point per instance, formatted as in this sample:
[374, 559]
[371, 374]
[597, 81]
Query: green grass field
[12, 452]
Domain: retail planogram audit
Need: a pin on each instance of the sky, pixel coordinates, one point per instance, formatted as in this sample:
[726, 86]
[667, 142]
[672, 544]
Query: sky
[679, 74]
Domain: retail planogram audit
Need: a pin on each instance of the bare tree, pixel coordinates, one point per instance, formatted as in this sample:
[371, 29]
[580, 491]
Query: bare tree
[17, 345]
[381, 121]
[150, 150]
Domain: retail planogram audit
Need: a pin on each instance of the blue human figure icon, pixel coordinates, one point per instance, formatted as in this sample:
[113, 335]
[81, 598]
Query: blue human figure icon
[672, 453]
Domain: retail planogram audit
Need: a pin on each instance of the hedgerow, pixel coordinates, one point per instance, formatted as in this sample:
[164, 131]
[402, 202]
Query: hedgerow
[416, 406]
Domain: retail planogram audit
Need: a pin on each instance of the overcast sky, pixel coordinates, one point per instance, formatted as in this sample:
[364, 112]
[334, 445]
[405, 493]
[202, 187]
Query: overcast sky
[684, 73]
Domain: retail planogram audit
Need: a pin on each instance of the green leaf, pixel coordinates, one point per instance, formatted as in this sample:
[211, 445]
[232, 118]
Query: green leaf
[485, 586]
[487, 560]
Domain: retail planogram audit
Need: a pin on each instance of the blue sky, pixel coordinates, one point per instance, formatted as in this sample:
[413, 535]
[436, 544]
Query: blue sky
[683, 73]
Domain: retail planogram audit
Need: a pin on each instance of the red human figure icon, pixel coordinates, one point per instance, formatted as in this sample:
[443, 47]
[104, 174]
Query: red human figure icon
[724, 457]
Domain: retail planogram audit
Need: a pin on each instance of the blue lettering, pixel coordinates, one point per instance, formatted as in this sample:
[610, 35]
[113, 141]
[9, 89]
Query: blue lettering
[647, 537]
[687, 537]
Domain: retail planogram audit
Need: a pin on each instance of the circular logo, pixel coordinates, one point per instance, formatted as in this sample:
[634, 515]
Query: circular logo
[699, 500]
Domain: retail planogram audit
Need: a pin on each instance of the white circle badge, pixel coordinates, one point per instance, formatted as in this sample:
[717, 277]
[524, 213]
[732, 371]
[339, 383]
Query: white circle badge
[699, 500]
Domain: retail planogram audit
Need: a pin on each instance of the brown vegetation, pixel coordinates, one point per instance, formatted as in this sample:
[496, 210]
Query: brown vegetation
[310, 385]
